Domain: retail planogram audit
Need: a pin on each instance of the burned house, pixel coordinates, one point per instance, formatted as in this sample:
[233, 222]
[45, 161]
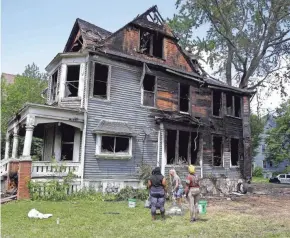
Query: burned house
[118, 100]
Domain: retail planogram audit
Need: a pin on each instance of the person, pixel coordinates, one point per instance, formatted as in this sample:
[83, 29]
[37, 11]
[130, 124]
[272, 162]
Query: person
[192, 192]
[177, 186]
[157, 185]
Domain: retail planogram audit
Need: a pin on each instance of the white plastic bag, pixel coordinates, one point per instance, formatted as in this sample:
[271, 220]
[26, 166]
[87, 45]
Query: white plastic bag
[33, 213]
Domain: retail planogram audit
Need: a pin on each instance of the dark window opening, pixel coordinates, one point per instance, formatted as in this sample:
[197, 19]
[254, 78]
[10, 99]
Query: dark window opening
[271, 164]
[67, 138]
[237, 106]
[263, 147]
[111, 144]
[194, 149]
[229, 100]
[183, 146]
[184, 98]
[101, 80]
[217, 150]
[149, 90]
[151, 43]
[234, 152]
[78, 44]
[54, 85]
[72, 81]
[264, 164]
[171, 138]
[217, 103]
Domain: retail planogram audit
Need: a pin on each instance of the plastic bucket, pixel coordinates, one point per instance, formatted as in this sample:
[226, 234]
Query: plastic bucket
[202, 206]
[132, 203]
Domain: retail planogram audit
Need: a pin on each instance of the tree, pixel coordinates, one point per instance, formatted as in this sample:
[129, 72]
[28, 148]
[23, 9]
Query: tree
[257, 127]
[278, 138]
[246, 40]
[32, 71]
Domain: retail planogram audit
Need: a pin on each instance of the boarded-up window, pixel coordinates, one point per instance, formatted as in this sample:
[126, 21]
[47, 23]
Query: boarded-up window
[149, 90]
[54, 86]
[101, 81]
[234, 152]
[184, 98]
[217, 103]
[72, 81]
[217, 150]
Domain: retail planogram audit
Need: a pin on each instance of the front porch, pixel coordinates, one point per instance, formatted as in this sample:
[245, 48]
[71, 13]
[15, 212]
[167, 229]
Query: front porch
[58, 133]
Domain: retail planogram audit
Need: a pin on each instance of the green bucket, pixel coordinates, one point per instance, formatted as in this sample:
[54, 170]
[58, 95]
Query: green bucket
[202, 206]
[131, 202]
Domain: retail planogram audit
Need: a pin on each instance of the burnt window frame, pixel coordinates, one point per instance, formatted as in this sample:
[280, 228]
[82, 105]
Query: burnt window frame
[239, 155]
[233, 111]
[155, 91]
[222, 151]
[189, 100]
[151, 43]
[114, 155]
[96, 97]
[221, 104]
[64, 94]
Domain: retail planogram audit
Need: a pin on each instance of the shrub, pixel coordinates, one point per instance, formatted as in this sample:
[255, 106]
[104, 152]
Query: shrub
[258, 172]
[145, 172]
[129, 192]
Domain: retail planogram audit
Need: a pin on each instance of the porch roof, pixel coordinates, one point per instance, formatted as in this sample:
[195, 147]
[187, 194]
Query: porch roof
[40, 114]
[113, 127]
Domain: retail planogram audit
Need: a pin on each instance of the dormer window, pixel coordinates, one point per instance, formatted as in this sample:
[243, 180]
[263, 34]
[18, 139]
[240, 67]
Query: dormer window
[151, 43]
[72, 81]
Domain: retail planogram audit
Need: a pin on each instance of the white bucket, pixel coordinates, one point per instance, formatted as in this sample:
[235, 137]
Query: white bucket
[132, 203]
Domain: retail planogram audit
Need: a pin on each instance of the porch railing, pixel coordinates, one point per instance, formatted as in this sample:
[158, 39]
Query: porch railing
[4, 167]
[60, 169]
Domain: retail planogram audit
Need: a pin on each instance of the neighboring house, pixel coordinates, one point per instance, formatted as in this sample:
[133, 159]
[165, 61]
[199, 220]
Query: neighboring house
[118, 100]
[8, 77]
[260, 159]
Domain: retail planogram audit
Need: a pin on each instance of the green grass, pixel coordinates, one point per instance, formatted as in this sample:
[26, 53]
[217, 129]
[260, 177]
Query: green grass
[260, 180]
[87, 219]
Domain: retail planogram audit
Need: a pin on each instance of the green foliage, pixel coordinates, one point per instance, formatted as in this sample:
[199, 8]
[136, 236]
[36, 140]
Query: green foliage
[244, 39]
[278, 139]
[145, 172]
[257, 127]
[129, 192]
[32, 71]
[258, 172]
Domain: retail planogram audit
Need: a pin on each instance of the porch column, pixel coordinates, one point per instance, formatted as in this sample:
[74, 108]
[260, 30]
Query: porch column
[7, 146]
[15, 142]
[28, 136]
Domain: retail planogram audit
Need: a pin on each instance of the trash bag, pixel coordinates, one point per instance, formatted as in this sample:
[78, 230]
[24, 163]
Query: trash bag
[33, 213]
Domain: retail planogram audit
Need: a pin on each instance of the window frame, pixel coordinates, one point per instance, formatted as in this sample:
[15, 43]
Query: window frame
[118, 155]
[189, 100]
[222, 103]
[239, 156]
[56, 86]
[65, 82]
[222, 151]
[234, 96]
[96, 97]
[155, 91]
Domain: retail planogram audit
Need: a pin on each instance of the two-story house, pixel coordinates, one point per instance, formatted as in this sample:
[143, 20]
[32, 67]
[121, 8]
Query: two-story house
[118, 100]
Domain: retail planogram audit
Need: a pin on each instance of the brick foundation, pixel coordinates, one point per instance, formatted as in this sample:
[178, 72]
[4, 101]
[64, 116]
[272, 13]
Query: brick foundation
[24, 175]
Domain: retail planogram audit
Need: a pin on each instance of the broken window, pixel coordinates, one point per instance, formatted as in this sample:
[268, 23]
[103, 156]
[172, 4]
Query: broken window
[115, 145]
[217, 103]
[229, 99]
[149, 90]
[72, 81]
[151, 43]
[237, 106]
[54, 86]
[182, 147]
[184, 98]
[217, 150]
[234, 152]
[101, 80]
[67, 144]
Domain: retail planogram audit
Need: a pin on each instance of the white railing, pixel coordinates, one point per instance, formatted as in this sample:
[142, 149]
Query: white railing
[4, 167]
[60, 169]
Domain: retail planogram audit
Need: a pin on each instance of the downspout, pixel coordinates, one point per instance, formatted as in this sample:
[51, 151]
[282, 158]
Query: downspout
[163, 149]
[158, 149]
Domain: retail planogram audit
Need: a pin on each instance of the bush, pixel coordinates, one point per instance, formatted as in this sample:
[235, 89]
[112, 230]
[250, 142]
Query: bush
[258, 172]
[129, 192]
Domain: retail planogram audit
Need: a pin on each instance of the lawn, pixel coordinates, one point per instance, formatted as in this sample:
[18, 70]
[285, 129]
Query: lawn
[260, 180]
[243, 217]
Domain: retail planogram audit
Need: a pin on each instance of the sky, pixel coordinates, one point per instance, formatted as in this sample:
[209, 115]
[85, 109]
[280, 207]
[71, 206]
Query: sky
[36, 30]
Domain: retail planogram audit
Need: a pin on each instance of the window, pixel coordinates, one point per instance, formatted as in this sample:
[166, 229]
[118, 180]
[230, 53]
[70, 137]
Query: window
[233, 105]
[184, 98]
[151, 43]
[67, 144]
[182, 147]
[282, 176]
[271, 164]
[264, 164]
[72, 81]
[101, 76]
[234, 152]
[288, 176]
[217, 150]
[148, 90]
[54, 86]
[114, 145]
[217, 103]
